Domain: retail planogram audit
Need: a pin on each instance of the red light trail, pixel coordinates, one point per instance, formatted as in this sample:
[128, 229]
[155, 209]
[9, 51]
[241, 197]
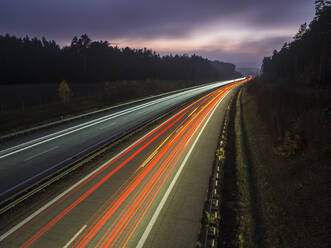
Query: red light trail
[116, 220]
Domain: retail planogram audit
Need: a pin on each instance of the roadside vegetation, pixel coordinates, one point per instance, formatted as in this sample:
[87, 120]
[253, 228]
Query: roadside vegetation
[282, 168]
[91, 74]
[241, 224]
[304, 61]
[277, 183]
[26, 60]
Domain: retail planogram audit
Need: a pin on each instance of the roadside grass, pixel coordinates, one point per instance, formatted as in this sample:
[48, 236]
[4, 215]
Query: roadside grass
[229, 234]
[276, 189]
[240, 221]
[292, 187]
[248, 214]
[297, 117]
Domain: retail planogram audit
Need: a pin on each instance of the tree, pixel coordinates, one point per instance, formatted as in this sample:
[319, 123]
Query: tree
[307, 58]
[302, 31]
[64, 92]
[320, 6]
[90, 61]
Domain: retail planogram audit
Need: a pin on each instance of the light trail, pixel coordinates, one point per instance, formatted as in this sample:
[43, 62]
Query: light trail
[103, 214]
[121, 213]
[89, 236]
[27, 145]
[118, 229]
[125, 194]
[91, 190]
[85, 195]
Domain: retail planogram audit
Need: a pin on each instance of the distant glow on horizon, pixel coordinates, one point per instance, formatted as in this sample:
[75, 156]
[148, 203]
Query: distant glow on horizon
[230, 43]
[227, 39]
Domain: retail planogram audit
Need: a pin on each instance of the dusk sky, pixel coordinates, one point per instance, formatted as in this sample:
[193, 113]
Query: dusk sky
[237, 31]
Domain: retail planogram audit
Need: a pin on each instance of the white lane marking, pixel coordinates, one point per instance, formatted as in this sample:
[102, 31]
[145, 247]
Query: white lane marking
[172, 184]
[104, 118]
[84, 125]
[76, 128]
[75, 236]
[37, 212]
[41, 153]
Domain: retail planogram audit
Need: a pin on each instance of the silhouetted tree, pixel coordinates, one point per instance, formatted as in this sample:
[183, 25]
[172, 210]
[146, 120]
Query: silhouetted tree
[32, 60]
[307, 59]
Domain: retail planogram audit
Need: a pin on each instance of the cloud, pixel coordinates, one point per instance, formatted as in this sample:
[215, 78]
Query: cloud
[144, 18]
[198, 22]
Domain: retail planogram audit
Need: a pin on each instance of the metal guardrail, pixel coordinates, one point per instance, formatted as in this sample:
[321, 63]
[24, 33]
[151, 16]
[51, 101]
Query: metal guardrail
[209, 234]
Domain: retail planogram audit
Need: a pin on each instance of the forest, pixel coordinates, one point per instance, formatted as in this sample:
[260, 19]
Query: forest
[307, 58]
[32, 60]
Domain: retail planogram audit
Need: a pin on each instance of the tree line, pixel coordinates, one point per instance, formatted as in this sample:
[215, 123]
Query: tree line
[307, 58]
[33, 60]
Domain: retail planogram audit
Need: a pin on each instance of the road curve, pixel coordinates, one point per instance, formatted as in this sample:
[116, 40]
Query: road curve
[118, 204]
[27, 160]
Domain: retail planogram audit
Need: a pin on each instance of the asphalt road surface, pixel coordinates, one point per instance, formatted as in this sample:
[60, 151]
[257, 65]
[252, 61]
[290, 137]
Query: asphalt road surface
[26, 160]
[148, 195]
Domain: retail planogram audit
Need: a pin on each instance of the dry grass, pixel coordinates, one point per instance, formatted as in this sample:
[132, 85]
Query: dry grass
[297, 118]
[293, 189]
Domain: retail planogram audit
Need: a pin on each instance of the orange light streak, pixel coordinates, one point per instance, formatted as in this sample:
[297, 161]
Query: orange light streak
[215, 97]
[125, 195]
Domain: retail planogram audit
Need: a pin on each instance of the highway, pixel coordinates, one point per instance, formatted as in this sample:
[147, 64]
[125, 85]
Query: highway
[120, 202]
[28, 159]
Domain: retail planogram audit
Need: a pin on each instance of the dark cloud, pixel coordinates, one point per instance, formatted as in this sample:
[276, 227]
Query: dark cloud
[144, 19]
[152, 18]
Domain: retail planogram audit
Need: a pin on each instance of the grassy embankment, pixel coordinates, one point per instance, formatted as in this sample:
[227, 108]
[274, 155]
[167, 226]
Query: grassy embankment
[24, 106]
[276, 191]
